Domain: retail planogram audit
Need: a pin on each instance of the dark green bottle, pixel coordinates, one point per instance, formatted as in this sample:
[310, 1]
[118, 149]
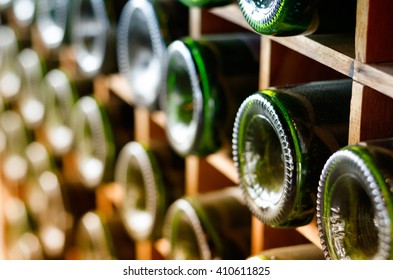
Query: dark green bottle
[93, 147]
[59, 95]
[205, 82]
[294, 17]
[213, 225]
[355, 202]
[14, 138]
[31, 71]
[152, 176]
[306, 251]
[281, 139]
[10, 81]
[145, 29]
[52, 22]
[98, 237]
[205, 4]
[93, 33]
[43, 195]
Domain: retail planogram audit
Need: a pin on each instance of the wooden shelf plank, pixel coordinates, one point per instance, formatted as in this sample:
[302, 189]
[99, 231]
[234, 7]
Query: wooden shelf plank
[233, 14]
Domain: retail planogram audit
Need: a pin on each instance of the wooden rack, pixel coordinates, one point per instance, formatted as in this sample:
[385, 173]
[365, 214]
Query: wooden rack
[367, 58]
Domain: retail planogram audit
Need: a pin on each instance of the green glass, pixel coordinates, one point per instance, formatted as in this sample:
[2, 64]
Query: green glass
[355, 202]
[10, 81]
[152, 177]
[213, 225]
[281, 139]
[52, 22]
[93, 32]
[306, 251]
[205, 4]
[294, 17]
[14, 138]
[44, 198]
[31, 71]
[206, 81]
[98, 237]
[145, 29]
[21, 243]
[93, 147]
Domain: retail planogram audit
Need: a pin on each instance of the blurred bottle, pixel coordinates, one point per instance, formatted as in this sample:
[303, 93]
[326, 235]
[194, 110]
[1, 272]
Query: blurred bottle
[19, 238]
[286, 18]
[14, 140]
[145, 29]
[93, 33]
[355, 202]
[152, 177]
[46, 202]
[31, 70]
[93, 147]
[52, 22]
[296, 252]
[100, 238]
[206, 80]
[214, 225]
[281, 139]
[22, 16]
[205, 4]
[10, 81]
[59, 97]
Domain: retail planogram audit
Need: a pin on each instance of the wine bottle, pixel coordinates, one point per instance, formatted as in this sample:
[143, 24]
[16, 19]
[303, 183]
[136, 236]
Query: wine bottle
[14, 140]
[93, 32]
[205, 83]
[9, 79]
[213, 225]
[205, 4]
[145, 29]
[287, 18]
[31, 71]
[59, 96]
[152, 177]
[281, 139]
[22, 16]
[52, 22]
[355, 202]
[306, 251]
[102, 238]
[93, 147]
[45, 200]
[19, 239]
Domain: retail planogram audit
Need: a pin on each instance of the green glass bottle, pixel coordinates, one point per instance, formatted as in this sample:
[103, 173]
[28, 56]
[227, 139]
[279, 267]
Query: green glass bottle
[21, 243]
[59, 97]
[205, 4]
[281, 139]
[98, 237]
[145, 29]
[93, 32]
[152, 177]
[22, 16]
[355, 202]
[205, 83]
[306, 251]
[45, 200]
[294, 17]
[14, 140]
[93, 146]
[31, 71]
[10, 82]
[52, 22]
[213, 225]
